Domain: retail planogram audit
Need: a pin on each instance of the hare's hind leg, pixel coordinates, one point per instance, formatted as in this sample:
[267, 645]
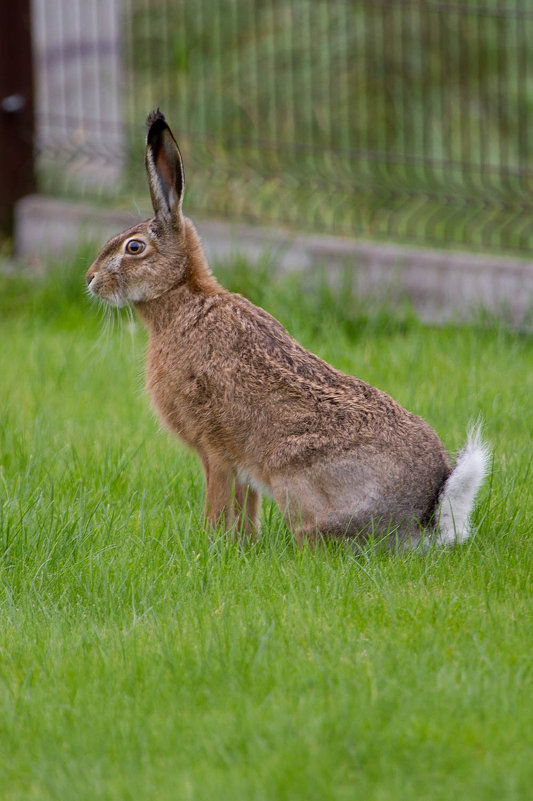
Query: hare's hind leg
[301, 508]
[340, 500]
[327, 499]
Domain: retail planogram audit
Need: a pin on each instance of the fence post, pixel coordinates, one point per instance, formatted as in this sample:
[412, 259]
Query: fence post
[17, 176]
[79, 92]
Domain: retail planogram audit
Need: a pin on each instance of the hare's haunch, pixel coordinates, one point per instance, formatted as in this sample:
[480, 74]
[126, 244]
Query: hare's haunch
[339, 456]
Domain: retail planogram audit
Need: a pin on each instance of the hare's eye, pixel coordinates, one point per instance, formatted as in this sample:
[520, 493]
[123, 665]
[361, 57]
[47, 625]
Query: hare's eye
[135, 246]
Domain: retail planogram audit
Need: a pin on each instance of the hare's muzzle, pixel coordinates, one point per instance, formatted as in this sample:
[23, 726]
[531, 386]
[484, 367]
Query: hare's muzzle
[89, 275]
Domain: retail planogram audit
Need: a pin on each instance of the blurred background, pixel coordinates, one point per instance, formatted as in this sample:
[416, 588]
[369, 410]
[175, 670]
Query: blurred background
[396, 120]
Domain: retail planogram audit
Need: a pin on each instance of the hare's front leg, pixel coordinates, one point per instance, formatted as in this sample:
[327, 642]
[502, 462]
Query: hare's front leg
[246, 504]
[218, 493]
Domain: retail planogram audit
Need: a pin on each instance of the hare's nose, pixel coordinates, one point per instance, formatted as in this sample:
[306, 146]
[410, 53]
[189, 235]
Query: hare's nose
[89, 276]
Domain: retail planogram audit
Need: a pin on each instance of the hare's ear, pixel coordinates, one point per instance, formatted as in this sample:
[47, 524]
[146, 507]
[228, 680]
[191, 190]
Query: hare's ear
[164, 168]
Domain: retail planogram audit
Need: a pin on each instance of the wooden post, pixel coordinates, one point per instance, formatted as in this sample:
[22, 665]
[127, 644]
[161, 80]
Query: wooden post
[17, 175]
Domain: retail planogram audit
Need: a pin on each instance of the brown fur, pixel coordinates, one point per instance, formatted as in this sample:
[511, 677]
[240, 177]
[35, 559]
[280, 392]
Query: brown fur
[339, 456]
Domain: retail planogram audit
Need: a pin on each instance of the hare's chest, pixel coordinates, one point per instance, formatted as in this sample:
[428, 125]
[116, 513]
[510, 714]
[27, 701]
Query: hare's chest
[179, 392]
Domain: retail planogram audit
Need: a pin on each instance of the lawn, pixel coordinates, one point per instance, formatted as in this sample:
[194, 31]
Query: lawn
[140, 660]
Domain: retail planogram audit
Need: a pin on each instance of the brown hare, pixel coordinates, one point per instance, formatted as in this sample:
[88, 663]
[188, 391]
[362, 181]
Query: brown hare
[339, 456]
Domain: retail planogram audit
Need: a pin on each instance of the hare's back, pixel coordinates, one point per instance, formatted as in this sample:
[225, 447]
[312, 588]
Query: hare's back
[311, 405]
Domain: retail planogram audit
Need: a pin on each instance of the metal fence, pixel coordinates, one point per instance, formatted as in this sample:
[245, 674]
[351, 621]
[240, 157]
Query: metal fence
[384, 119]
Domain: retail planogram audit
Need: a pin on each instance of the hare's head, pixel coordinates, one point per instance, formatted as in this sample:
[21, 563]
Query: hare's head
[147, 260]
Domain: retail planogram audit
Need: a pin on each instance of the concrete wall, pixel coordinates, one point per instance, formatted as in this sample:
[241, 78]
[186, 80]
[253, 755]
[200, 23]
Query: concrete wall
[441, 285]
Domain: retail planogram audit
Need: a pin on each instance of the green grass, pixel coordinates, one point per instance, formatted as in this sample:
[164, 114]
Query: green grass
[139, 660]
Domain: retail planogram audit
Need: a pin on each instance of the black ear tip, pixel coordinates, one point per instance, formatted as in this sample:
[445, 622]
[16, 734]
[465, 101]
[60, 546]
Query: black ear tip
[153, 117]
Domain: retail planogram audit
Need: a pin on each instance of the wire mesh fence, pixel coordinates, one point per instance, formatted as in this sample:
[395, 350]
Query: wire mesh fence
[396, 119]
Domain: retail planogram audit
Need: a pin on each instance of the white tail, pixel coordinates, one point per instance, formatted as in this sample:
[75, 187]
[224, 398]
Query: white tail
[461, 487]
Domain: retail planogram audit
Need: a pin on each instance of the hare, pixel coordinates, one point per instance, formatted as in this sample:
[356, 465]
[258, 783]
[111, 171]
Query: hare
[339, 456]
